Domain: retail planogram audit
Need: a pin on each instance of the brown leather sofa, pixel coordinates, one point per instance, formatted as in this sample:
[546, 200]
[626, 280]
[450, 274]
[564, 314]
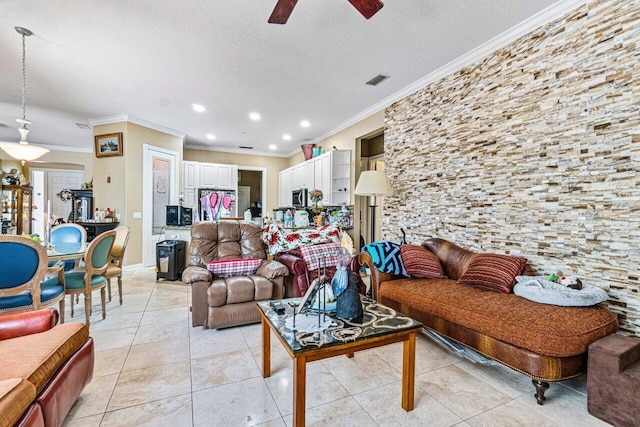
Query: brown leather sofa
[231, 301]
[546, 342]
[613, 380]
[43, 367]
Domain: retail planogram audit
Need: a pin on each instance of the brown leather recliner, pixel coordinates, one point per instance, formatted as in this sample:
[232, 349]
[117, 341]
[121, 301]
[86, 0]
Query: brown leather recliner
[231, 301]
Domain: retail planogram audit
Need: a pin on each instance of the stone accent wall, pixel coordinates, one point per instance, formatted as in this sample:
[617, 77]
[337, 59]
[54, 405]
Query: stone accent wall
[532, 151]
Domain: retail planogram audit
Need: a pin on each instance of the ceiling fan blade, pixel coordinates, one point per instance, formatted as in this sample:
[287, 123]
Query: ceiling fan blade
[367, 8]
[282, 11]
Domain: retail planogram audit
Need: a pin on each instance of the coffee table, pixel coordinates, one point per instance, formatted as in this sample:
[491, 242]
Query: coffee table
[380, 326]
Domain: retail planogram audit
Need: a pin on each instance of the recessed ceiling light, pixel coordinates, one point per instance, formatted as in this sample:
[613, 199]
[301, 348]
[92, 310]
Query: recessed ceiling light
[273, 147]
[198, 108]
[211, 136]
[254, 116]
[286, 137]
[305, 124]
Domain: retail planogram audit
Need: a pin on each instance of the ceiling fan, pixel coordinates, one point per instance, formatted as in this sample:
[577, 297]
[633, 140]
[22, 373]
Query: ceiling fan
[283, 9]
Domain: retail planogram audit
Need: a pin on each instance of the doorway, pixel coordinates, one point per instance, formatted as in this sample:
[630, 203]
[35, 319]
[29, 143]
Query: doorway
[371, 158]
[159, 189]
[252, 192]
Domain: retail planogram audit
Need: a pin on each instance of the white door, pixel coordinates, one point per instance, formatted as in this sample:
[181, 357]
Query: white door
[59, 180]
[159, 188]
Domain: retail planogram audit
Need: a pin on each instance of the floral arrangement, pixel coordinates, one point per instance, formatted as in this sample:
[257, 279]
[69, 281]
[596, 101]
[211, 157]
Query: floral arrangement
[316, 195]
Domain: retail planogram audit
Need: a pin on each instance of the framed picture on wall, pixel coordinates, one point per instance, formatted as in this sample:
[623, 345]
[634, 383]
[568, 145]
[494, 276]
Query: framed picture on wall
[109, 145]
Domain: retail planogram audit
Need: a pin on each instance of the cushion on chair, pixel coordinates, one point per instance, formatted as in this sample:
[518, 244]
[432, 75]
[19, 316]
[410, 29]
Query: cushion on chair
[23, 268]
[421, 263]
[113, 270]
[493, 272]
[75, 280]
[36, 357]
[16, 395]
[49, 290]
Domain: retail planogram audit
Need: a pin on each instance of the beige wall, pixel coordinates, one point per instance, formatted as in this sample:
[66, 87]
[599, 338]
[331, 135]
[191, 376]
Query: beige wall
[124, 192]
[272, 164]
[52, 160]
[533, 151]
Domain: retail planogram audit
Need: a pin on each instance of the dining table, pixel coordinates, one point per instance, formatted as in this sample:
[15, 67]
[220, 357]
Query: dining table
[63, 251]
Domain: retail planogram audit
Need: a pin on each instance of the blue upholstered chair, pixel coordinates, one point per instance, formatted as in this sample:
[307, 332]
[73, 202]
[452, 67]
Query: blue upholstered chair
[91, 277]
[68, 233]
[23, 267]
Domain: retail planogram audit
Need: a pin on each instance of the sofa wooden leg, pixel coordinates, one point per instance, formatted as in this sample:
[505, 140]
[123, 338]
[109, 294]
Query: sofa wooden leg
[541, 387]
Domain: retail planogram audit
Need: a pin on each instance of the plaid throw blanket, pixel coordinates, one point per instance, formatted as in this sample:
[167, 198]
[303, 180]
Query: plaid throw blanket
[234, 267]
[320, 255]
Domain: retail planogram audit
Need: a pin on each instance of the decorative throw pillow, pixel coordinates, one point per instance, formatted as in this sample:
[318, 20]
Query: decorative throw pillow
[421, 263]
[493, 272]
[386, 257]
[234, 267]
[320, 255]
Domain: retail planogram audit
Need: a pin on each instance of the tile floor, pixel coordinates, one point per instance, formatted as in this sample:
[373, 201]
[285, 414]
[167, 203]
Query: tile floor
[153, 369]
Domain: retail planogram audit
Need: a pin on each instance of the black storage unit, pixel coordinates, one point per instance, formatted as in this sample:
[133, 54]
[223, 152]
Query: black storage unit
[170, 255]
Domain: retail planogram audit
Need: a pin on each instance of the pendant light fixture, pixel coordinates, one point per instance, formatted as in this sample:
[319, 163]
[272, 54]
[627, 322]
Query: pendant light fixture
[22, 150]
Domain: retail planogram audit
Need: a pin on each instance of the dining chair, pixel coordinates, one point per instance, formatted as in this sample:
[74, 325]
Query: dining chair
[22, 271]
[91, 277]
[117, 255]
[69, 233]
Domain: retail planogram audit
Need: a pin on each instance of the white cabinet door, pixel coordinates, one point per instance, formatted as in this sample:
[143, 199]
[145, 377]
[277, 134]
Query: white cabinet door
[191, 174]
[207, 175]
[325, 183]
[189, 195]
[226, 177]
[286, 186]
[304, 175]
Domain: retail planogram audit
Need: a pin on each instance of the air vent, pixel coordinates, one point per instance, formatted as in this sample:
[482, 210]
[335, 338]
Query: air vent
[83, 126]
[377, 80]
[245, 147]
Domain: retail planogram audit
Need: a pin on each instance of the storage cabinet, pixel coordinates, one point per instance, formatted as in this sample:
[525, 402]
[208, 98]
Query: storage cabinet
[16, 209]
[286, 186]
[213, 175]
[191, 174]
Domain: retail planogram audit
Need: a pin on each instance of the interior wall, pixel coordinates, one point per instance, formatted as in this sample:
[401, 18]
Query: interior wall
[532, 151]
[271, 163]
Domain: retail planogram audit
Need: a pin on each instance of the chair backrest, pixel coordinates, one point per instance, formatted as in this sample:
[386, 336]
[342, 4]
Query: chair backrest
[68, 233]
[23, 267]
[120, 244]
[97, 258]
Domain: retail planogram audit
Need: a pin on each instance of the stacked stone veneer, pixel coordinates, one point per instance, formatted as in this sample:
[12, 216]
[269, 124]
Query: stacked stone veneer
[532, 151]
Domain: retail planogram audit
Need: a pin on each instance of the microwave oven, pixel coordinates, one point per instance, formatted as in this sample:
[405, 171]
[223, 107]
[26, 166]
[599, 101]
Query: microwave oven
[300, 198]
[179, 215]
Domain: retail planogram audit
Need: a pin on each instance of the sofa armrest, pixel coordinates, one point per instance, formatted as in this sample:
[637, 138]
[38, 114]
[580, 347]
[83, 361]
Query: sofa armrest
[272, 269]
[196, 274]
[377, 276]
[615, 352]
[15, 325]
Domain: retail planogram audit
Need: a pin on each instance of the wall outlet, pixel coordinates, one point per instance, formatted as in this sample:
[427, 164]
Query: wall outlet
[175, 236]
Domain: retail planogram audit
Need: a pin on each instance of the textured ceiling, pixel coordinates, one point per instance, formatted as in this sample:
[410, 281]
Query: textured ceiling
[152, 59]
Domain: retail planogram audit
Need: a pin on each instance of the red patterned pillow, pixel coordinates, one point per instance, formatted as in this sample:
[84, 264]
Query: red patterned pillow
[493, 272]
[234, 267]
[421, 263]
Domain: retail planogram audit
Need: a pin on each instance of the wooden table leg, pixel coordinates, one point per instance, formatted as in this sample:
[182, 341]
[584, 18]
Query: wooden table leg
[299, 390]
[266, 348]
[408, 371]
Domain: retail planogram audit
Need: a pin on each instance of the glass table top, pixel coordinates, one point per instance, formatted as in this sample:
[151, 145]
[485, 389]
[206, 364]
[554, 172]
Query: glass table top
[66, 250]
[377, 320]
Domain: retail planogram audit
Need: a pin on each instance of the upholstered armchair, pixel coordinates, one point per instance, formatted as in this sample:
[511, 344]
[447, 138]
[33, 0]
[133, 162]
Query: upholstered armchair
[219, 302]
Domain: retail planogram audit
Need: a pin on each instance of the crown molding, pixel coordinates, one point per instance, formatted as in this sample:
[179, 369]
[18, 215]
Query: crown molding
[234, 151]
[543, 17]
[119, 118]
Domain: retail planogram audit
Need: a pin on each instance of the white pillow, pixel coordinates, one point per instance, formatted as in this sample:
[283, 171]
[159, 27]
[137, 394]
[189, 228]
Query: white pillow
[538, 289]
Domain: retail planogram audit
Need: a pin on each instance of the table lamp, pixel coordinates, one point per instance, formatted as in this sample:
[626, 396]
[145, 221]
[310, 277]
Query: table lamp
[373, 183]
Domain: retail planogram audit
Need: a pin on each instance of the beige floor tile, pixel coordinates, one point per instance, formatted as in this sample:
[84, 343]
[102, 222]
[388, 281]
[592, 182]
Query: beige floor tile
[510, 414]
[164, 331]
[163, 302]
[208, 342]
[134, 303]
[93, 421]
[384, 404]
[460, 391]
[362, 372]
[425, 360]
[222, 369]
[508, 381]
[280, 359]
[150, 384]
[426, 343]
[124, 321]
[156, 354]
[113, 338]
[322, 387]
[252, 334]
[109, 361]
[229, 405]
[278, 422]
[340, 413]
[94, 397]
[164, 316]
[578, 384]
[174, 412]
[563, 405]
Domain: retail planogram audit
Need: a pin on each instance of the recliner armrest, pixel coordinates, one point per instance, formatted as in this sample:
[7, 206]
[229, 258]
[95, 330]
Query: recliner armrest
[272, 269]
[196, 274]
[15, 325]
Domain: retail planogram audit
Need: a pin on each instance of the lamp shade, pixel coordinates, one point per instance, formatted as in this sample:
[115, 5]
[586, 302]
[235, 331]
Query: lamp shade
[373, 183]
[23, 151]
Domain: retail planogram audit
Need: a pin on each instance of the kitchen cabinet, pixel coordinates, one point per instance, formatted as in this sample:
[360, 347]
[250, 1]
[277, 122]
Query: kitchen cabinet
[191, 174]
[303, 175]
[218, 176]
[322, 176]
[286, 186]
[189, 198]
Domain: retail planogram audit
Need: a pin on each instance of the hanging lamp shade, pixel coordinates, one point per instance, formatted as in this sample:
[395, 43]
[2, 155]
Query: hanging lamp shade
[22, 150]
